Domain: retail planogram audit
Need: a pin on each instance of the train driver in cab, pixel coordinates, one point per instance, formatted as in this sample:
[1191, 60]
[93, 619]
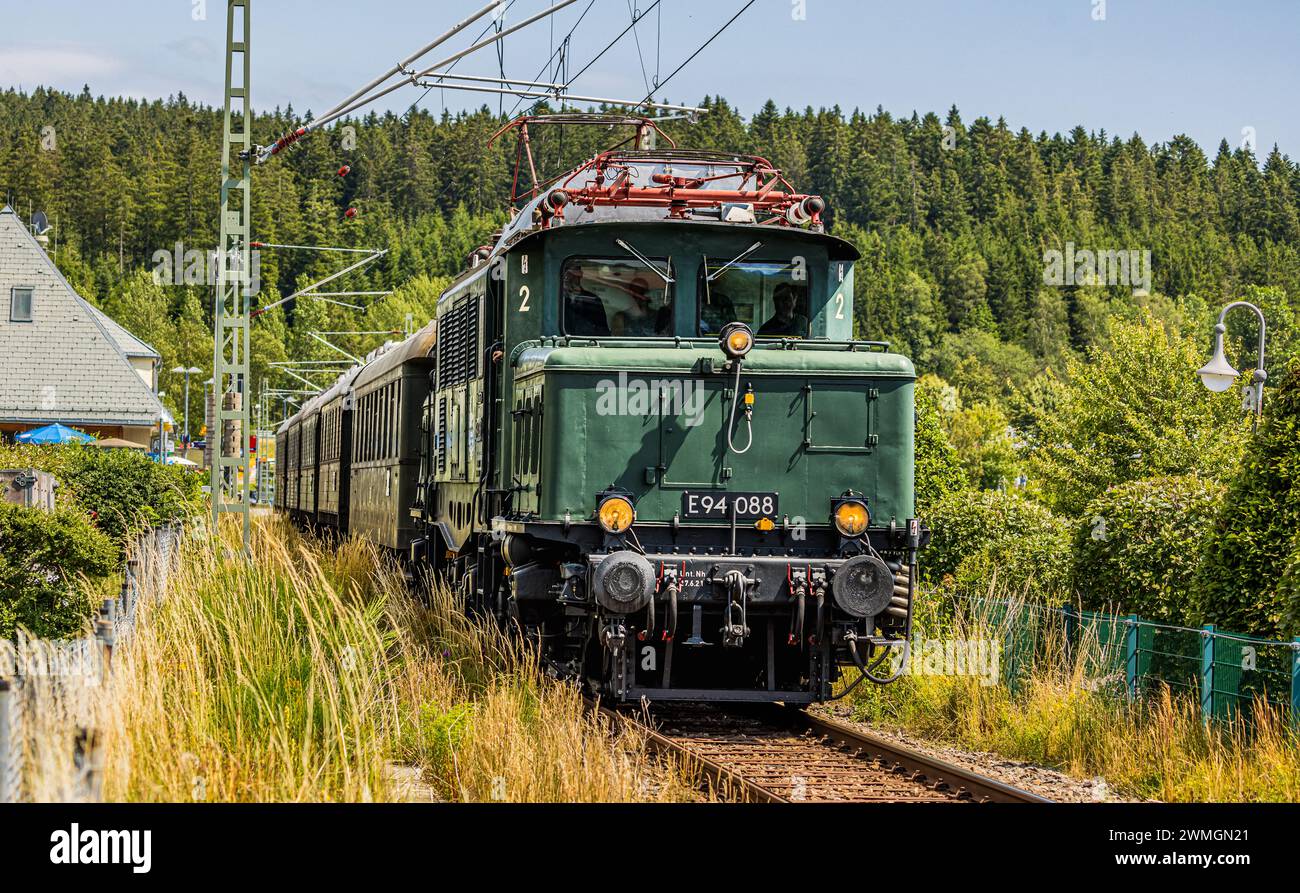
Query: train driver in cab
[584, 313]
[641, 319]
[787, 321]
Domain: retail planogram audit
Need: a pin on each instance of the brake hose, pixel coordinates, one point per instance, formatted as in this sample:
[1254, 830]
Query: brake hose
[731, 425]
[868, 672]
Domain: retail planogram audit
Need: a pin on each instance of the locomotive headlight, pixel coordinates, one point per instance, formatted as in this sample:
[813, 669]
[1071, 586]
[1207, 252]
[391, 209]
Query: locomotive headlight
[615, 514]
[852, 518]
[736, 340]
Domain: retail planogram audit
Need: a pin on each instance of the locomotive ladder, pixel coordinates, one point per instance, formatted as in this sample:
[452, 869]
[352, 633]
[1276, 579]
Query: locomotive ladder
[231, 472]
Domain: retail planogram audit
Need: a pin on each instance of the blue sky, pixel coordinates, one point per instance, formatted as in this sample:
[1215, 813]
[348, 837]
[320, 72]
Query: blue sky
[1208, 68]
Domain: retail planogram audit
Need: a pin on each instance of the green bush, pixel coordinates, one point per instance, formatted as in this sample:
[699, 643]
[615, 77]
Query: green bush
[1289, 585]
[938, 467]
[127, 493]
[1133, 410]
[1247, 560]
[1138, 547]
[124, 492]
[988, 538]
[105, 498]
[42, 554]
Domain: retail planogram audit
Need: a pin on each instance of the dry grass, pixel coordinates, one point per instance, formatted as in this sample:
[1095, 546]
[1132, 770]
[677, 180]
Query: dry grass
[57, 704]
[1061, 714]
[479, 725]
[301, 676]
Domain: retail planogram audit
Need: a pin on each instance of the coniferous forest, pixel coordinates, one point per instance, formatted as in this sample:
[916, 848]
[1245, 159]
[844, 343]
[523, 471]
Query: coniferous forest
[967, 230]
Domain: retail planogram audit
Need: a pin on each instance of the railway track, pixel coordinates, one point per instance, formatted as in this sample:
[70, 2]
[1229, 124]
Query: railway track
[775, 754]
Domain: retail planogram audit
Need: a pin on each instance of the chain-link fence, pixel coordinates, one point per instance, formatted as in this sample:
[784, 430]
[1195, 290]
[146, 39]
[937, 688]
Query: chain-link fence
[1226, 672]
[51, 743]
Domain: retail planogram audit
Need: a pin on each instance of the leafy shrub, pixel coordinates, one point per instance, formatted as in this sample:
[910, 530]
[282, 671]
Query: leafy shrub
[128, 493]
[983, 538]
[1289, 585]
[1134, 410]
[41, 556]
[980, 434]
[1139, 545]
[122, 490]
[1247, 560]
[938, 467]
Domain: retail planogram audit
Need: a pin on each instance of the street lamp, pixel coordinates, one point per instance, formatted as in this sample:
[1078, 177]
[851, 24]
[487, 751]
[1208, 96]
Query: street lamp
[1218, 374]
[187, 372]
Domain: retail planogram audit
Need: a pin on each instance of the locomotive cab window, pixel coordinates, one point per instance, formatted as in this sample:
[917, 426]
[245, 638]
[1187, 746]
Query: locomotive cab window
[622, 298]
[767, 297]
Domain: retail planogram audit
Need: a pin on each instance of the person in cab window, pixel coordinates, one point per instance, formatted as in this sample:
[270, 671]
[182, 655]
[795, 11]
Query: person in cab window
[584, 312]
[641, 319]
[787, 321]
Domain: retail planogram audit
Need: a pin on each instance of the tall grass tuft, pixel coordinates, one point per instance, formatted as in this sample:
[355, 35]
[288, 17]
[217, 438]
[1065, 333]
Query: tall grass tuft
[255, 680]
[480, 725]
[304, 674]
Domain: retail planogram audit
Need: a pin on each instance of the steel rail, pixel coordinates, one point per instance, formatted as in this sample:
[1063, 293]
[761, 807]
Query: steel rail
[980, 788]
[926, 772]
[723, 779]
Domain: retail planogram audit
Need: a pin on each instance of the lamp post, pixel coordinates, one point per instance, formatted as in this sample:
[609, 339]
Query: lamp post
[1218, 374]
[187, 372]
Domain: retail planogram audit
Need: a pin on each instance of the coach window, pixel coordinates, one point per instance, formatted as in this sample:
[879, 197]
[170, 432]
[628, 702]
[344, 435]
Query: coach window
[620, 298]
[386, 399]
[397, 418]
[388, 421]
[369, 437]
[397, 421]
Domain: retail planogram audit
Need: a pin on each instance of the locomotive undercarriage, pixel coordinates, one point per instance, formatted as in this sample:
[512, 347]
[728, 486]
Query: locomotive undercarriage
[760, 622]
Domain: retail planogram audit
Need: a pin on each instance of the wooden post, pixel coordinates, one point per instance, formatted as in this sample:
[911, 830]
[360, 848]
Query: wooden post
[11, 741]
[1071, 631]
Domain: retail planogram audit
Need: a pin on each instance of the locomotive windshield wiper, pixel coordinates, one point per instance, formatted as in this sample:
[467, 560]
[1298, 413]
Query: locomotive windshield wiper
[666, 276]
[737, 259]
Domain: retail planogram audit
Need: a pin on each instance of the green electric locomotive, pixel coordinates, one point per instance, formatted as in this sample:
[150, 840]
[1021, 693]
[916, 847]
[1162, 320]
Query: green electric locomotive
[648, 440]
[652, 442]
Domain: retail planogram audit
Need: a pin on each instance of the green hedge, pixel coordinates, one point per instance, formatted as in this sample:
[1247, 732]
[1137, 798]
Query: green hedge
[1289, 586]
[41, 556]
[123, 492]
[990, 538]
[1248, 558]
[1138, 547]
[105, 499]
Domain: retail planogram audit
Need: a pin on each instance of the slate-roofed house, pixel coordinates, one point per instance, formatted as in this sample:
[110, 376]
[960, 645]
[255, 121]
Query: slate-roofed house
[61, 359]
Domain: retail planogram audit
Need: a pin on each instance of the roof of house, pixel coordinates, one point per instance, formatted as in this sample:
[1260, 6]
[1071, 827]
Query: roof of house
[130, 345]
[71, 363]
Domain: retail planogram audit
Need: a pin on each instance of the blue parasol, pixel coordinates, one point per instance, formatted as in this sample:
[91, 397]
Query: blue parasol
[55, 433]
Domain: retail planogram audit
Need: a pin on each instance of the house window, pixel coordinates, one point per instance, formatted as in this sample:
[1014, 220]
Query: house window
[20, 305]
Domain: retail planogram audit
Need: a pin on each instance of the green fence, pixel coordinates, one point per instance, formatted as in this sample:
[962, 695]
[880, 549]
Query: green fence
[1227, 672]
